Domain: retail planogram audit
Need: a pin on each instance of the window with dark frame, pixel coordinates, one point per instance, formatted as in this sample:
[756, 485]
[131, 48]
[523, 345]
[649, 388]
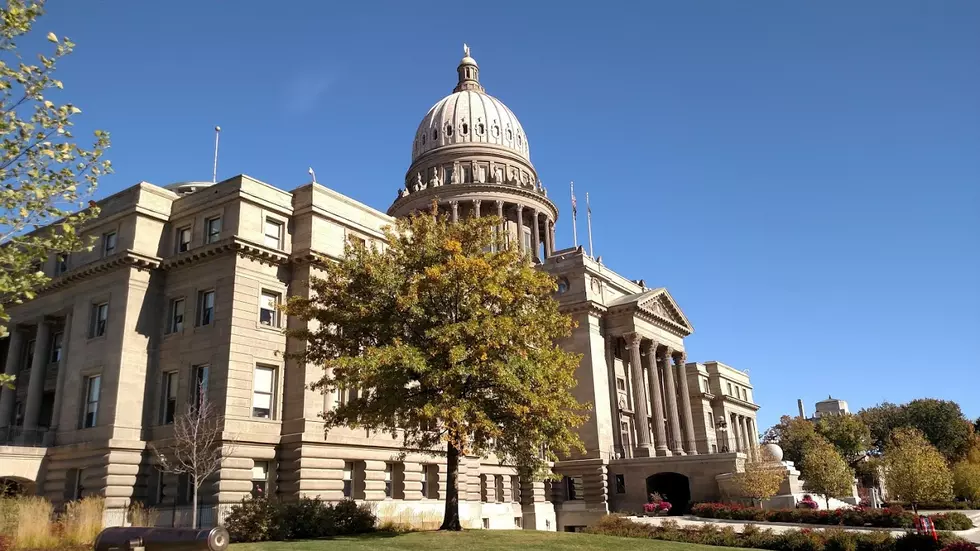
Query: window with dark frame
[260, 479]
[176, 315]
[213, 226]
[183, 240]
[573, 488]
[61, 266]
[620, 484]
[273, 233]
[169, 397]
[263, 389]
[108, 243]
[57, 342]
[205, 307]
[348, 479]
[28, 355]
[389, 474]
[269, 309]
[199, 392]
[100, 317]
[93, 386]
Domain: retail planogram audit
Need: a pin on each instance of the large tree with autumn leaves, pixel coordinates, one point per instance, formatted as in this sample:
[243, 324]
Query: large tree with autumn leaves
[449, 334]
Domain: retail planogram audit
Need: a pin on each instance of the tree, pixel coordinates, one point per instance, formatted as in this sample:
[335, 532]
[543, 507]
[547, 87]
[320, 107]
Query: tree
[966, 475]
[941, 422]
[825, 472]
[196, 448]
[848, 434]
[44, 174]
[450, 336]
[761, 478]
[915, 471]
[794, 435]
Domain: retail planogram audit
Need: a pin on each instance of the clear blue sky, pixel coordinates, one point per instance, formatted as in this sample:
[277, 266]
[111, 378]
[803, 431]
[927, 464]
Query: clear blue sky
[804, 177]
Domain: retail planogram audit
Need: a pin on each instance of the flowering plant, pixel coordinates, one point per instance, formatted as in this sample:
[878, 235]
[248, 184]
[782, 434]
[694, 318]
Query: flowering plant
[662, 507]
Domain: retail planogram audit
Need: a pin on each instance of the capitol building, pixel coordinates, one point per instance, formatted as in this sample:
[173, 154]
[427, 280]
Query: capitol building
[179, 297]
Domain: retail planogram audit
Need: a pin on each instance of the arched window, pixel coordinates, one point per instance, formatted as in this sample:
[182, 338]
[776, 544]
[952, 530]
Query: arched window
[465, 128]
[480, 129]
[435, 133]
[449, 130]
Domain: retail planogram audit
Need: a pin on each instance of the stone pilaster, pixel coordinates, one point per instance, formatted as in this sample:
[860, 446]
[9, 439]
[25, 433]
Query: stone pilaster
[374, 480]
[690, 445]
[59, 387]
[670, 389]
[471, 490]
[643, 448]
[35, 386]
[618, 444]
[413, 474]
[506, 494]
[11, 366]
[657, 401]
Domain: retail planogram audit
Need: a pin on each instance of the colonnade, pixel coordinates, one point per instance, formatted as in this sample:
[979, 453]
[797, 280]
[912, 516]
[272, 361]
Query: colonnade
[540, 224]
[745, 434]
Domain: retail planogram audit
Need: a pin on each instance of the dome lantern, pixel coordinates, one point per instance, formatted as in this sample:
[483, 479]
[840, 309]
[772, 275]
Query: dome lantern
[469, 73]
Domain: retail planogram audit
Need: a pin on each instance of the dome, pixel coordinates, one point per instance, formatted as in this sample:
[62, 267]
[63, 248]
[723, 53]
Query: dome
[470, 115]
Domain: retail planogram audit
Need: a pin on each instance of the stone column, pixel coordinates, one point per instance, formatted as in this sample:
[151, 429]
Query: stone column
[476, 208]
[614, 395]
[640, 403]
[7, 396]
[374, 480]
[670, 389]
[455, 206]
[551, 235]
[733, 431]
[520, 229]
[749, 440]
[690, 446]
[35, 386]
[59, 389]
[536, 237]
[657, 400]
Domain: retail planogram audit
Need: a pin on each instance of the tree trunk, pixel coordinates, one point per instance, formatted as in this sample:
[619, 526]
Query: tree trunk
[450, 520]
[826, 499]
[194, 505]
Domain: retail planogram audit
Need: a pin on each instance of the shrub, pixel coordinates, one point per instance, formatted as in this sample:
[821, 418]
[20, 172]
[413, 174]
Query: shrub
[141, 515]
[876, 541]
[952, 521]
[260, 519]
[32, 523]
[960, 546]
[840, 540]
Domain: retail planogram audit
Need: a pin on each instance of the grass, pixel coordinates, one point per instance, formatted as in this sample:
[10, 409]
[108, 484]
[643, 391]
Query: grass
[484, 540]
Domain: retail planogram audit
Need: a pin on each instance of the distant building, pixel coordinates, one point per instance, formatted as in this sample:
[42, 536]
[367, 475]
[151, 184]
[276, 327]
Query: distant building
[830, 406]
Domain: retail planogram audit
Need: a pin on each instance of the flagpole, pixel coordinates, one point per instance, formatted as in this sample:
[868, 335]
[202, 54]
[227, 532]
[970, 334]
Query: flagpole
[574, 216]
[214, 173]
[588, 212]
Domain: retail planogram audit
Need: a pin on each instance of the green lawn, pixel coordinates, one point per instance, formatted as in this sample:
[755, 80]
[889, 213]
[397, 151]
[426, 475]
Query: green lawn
[473, 540]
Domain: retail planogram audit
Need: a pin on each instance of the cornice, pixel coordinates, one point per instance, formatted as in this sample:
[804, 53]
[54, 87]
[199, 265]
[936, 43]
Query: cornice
[664, 323]
[245, 249]
[724, 398]
[125, 259]
[588, 306]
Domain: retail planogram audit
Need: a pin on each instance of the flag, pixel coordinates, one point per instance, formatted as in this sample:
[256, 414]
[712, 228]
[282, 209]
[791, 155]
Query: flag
[574, 203]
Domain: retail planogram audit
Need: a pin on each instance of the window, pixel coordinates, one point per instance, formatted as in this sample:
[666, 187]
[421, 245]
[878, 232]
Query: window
[57, 342]
[199, 392]
[169, 397]
[108, 243]
[183, 240]
[260, 478]
[711, 420]
[620, 384]
[176, 316]
[18, 413]
[515, 488]
[714, 448]
[430, 481]
[269, 309]
[389, 469]
[517, 522]
[357, 241]
[498, 488]
[483, 488]
[527, 240]
[37, 267]
[205, 307]
[213, 226]
[29, 355]
[273, 233]
[730, 389]
[161, 486]
[61, 266]
[263, 386]
[486, 523]
[348, 479]
[100, 315]
[573, 488]
[620, 484]
[93, 385]
[73, 484]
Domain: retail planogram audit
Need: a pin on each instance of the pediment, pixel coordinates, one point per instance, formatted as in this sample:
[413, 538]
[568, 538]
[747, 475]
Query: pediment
[659, 305]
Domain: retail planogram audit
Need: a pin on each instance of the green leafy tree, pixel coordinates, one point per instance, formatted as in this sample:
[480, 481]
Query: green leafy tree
[848, 434]
[44, 175]
[915, 471]
[825, 472]
[794, 435]
[941, 422]
[450, 335]
[761, 478]
[966, 475]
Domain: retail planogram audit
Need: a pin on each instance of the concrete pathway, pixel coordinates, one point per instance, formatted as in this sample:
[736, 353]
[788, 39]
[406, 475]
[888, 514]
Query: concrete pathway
[780, 527]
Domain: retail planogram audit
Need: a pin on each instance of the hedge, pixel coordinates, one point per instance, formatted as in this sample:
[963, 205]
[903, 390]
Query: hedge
[261, 519]
[893, 517]
[830, 539]
[941, 505]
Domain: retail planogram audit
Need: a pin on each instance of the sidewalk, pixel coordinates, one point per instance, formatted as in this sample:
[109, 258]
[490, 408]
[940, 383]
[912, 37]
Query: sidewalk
[690, 521]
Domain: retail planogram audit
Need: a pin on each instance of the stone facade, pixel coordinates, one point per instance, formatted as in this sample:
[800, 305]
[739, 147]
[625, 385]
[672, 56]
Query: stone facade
[177, 300]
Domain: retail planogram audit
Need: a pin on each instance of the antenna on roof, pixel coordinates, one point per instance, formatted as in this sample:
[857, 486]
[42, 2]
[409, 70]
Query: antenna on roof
[312, 174]
[214, 174]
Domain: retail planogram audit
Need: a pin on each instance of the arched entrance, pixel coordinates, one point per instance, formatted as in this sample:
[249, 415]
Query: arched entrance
[11, 486]
[673, 487]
